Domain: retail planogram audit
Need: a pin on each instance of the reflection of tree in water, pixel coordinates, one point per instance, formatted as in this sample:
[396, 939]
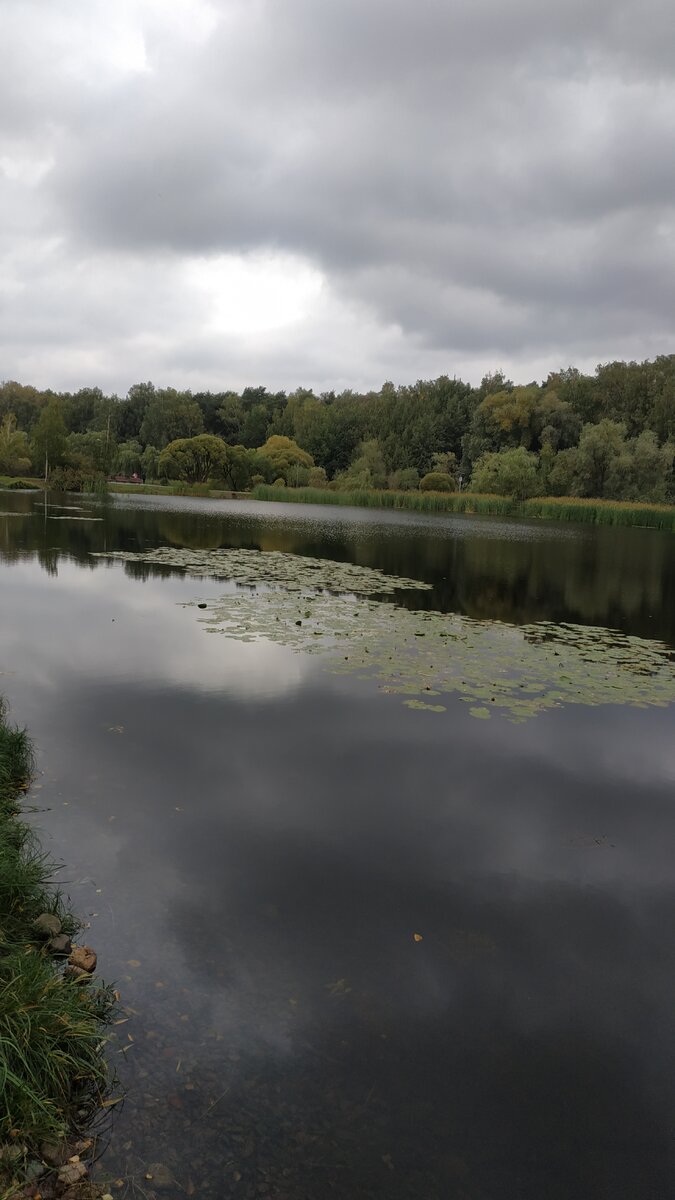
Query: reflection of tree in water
[190, 529]
[501, 571]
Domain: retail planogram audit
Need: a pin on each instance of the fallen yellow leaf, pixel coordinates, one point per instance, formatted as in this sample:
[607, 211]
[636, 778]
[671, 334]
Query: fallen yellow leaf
[418, 937]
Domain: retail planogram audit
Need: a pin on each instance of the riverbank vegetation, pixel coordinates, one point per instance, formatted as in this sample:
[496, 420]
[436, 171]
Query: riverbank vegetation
[552, 508]
[53, 1076]
[608, 435]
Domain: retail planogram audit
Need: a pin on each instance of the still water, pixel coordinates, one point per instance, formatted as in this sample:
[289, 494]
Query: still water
[256, 841]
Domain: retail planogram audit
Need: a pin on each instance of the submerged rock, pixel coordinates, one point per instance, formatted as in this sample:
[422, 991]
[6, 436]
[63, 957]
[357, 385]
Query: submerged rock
[161, 1176]
[71, 1172]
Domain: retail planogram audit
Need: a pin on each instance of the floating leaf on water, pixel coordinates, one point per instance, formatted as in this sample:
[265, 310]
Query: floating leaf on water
[519, 671]
[274, 567]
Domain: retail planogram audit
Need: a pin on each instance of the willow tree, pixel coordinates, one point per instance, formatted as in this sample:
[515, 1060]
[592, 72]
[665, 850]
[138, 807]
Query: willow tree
[193, 460]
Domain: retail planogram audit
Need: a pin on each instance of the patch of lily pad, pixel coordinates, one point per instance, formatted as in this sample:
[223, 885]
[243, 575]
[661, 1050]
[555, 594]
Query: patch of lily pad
[274, 568]
[341, 612]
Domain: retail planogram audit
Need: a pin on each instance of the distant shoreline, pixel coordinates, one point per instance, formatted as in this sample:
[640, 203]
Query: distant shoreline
[548, 508]
[579, 510]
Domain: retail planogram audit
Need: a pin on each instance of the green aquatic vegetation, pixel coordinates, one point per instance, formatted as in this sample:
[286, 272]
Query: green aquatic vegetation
[292, 572]
[51, 1061]
[421, 706]
[513, 671]
[551, 508]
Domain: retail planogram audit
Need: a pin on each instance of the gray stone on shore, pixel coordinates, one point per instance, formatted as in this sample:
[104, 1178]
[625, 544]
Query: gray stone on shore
[47, 924]
[61, 944]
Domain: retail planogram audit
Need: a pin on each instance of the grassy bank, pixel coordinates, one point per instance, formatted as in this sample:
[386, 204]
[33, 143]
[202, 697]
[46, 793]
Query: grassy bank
[12, 483]
[173, 489]
[53, 1075]
[552, 508]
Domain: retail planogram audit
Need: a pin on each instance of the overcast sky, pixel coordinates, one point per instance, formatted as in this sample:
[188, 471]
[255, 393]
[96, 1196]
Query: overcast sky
[333, 192]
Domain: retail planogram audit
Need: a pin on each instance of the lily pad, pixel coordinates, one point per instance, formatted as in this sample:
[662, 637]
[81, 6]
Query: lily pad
[499, 669]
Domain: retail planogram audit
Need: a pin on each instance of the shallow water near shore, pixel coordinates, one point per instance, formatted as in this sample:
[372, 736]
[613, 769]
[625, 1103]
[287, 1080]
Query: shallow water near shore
[367, 949]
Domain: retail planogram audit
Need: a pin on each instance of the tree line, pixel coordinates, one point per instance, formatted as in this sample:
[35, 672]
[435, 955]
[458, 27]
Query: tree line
[610, 434]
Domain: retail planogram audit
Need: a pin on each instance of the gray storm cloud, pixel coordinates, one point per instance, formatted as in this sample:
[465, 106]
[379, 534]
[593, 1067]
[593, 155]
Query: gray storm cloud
[473, 184]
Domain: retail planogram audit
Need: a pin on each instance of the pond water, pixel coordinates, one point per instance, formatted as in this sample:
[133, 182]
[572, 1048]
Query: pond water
[365, 949]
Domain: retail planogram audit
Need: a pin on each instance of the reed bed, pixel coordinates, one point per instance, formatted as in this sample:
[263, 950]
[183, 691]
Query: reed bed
[552, 508]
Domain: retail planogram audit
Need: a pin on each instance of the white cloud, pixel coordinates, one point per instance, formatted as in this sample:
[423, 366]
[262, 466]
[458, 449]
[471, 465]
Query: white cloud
[222, 194]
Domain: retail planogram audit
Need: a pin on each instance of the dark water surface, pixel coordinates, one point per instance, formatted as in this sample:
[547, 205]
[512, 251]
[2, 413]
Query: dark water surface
[256, 842]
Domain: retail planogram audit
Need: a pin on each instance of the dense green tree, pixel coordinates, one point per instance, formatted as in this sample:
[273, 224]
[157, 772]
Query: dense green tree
[129, 458]
[600, 448]
[650, 468]
[81, 409]
[210, 404]
[194, 460]
[368, 469]
[555, 422]
[49, 438]
[560, 472]
[287, 458]
[132, 410]
[254, 425]
[261, 410]
[445, 462]
[91, 452]
[239, 467]
[437, 481]
[150, 463]
[170, 416]
[14, 451]
[506, 473]
[625, 394]
[23, 401]
[577, 390]
[494, 381]
[230, 418]
[407, 480]
[662, 416]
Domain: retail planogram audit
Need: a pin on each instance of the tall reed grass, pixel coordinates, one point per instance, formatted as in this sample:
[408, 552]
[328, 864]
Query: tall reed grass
[552, 508]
